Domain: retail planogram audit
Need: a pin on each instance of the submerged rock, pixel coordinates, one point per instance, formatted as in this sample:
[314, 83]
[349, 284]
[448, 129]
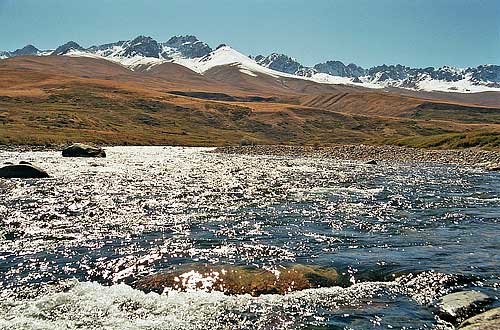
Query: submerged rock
[458, 306]
[83, 150]
[22, 171]
[240, 280]
[489, 320]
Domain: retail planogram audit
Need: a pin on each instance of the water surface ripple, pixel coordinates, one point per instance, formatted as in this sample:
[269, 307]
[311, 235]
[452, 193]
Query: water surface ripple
[402, 234]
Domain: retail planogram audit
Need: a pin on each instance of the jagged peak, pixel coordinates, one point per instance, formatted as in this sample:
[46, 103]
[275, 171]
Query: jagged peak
[141, 39]
[29, 47]
[181, 39]
[63, 49]
[188, 46]
[334, 62]
[26, 50]
[276, 55]
[72, 44]
[144, 46]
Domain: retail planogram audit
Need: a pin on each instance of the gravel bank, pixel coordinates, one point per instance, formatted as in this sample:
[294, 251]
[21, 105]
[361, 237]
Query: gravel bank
[474, 157]
[26, 148]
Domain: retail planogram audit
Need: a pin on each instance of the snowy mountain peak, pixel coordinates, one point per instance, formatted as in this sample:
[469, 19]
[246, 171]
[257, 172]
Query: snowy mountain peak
[281, 63]
[337, 68]
[67, 47]
[177, 41]
[141, 40]
[142, 46]
[227, 55]
[26, 50]
[224, 55]
[143, 52]
[188, 46]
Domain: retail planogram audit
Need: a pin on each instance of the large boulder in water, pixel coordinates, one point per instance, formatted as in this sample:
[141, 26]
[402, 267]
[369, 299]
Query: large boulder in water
[83, 150]
[458, 306]
[23, 171]
[489, 320]
[240, 280]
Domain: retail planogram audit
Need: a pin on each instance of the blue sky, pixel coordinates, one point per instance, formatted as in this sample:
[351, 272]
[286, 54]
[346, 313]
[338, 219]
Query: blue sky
[367, 32]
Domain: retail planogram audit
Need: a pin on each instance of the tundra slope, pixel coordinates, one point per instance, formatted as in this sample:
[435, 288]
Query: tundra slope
[60, 99]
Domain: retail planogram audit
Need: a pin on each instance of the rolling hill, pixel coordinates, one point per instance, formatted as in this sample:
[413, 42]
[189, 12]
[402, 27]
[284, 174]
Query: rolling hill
[61, 99]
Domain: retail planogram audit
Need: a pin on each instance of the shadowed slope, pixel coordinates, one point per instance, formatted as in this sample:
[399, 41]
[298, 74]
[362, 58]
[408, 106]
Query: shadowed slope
[390, 105]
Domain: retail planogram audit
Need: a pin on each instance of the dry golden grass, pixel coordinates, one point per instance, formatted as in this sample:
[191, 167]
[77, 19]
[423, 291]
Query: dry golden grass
[60, 100]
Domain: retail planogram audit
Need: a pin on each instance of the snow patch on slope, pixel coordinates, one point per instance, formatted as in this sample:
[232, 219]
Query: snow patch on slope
[130, 62]
[226, 55]
[462, 86]
[248, 72]
[324, 78]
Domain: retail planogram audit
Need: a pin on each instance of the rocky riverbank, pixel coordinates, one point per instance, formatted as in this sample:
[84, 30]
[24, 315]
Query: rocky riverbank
[54, 147]
[367, 153]
[27, 148]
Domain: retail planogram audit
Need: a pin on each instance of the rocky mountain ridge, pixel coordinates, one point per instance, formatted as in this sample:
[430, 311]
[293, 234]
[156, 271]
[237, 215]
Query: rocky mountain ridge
[189, 51]
[386, 75]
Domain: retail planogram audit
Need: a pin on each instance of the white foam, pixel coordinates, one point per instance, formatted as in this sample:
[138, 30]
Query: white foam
[89, 305]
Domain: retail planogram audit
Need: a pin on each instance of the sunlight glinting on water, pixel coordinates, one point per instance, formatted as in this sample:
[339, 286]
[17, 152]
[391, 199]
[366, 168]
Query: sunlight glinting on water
[399, 236]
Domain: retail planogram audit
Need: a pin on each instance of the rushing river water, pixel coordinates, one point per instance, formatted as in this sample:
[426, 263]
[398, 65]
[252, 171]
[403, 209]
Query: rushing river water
[402, 235]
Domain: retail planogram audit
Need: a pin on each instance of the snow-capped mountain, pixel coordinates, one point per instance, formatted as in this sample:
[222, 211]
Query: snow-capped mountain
[484, 77]
[281, 63]
[481, 78]
[142, 53]
[68, 48]
[225, 55]
[187, 46]
[26, 50]
[337, 68]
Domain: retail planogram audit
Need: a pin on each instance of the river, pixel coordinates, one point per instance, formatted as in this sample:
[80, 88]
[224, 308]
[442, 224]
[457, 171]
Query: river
[401, 234]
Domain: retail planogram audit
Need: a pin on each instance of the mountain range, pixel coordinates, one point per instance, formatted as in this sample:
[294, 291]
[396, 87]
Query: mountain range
[144, 53]
[184, 92]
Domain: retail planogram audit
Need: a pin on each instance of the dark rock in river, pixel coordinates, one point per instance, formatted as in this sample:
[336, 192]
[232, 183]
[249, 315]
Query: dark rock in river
[489, 320]
[240, 280]
[371, 162]
[492, 167]
[83, 150]
[22, 171]
[456, 307]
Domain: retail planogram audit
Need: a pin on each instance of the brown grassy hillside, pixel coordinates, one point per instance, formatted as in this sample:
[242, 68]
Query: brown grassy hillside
[57, 100]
